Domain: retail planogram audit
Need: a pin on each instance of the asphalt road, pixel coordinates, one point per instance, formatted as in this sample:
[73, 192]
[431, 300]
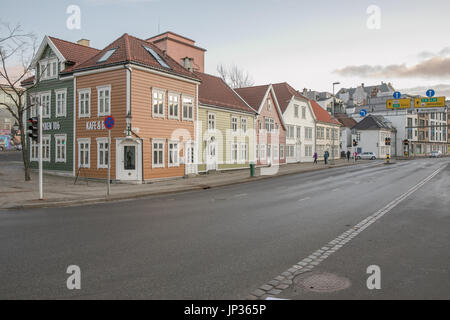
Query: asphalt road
[224, 243]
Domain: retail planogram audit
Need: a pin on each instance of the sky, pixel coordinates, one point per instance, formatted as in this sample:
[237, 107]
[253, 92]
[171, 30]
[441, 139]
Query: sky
[309, 44]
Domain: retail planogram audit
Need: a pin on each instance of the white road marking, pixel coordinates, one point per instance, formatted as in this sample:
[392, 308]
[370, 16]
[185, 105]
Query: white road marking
[307, 198]
[285, 279]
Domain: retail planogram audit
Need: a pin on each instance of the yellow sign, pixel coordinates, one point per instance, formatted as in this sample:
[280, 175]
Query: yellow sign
[429, 102]
[398, 104]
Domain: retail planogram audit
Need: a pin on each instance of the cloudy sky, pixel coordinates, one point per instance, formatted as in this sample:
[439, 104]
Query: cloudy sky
[306, 43]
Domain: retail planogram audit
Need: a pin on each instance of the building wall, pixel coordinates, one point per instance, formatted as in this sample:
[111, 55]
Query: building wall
[326, 143]
[224, 138]
[264, 138]
[298, 144]
[374, 141]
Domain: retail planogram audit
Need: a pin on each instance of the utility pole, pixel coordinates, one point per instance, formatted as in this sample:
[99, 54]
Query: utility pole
[41, 190]
[332, 128]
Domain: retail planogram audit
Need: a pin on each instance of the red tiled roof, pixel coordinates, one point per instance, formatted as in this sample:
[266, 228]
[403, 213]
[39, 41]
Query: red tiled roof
[321, 114]
[73, 52]
[214, 91]
[345, 120]
[253, 95]
[131, 49]
[284, 93]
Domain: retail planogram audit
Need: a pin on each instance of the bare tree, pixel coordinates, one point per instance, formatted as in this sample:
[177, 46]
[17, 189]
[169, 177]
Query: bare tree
[234, 76]
[17, 49]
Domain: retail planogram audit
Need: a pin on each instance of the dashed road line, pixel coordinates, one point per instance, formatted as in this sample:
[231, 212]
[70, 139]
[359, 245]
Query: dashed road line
[304, 199]
[285, 279]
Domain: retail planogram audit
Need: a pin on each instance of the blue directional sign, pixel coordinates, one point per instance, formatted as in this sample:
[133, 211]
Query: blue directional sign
[109, 122]
[363, 113]
[430, 93]
[397, 95]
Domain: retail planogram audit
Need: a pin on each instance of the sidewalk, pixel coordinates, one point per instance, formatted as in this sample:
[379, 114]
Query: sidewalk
[15, 193]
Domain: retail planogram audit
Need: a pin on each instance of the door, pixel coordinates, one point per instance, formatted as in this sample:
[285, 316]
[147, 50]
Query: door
[211, 156]
[190, 158]
[299, 152]
[128, 161]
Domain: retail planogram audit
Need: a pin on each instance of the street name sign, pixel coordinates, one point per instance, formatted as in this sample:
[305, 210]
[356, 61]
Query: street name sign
[398, 104]
[437, 102]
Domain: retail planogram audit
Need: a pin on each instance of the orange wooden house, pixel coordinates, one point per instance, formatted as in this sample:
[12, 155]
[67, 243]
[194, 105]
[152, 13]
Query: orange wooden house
[153, 100]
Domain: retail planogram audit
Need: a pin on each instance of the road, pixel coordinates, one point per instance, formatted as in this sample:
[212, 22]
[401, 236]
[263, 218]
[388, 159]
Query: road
[224, 243]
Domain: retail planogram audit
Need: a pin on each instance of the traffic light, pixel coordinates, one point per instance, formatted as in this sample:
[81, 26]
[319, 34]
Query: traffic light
[33, 129]
[355, 143]
[387, 141]
[405, 142]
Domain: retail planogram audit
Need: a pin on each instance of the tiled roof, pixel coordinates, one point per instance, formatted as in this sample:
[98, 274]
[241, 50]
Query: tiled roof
[73, 52]
[214, 91]
[321, 114]
[131, 49]
[27, 81]
[345, 120]
[253, 95]
[284, 93]
[372, 122]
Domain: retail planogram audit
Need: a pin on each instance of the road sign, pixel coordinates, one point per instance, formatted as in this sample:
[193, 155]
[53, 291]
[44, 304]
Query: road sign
[437, 102]
[398, 104]
[109, 122]
[430, 93]
[397, 95]
[363, 113]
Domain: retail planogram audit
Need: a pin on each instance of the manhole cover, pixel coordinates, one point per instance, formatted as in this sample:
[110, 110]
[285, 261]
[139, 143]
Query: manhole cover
[322, 282]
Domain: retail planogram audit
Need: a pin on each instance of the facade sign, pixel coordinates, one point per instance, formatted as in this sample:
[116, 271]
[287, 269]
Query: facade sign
[429, 102]
[95, 125]
[51, 125]
[398, 104]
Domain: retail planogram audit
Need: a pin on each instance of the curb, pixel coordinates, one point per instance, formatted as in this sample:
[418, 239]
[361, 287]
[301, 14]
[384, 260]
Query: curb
[80, 202]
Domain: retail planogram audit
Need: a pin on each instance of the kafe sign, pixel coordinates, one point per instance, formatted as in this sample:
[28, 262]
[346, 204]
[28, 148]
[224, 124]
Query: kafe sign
[95, 125]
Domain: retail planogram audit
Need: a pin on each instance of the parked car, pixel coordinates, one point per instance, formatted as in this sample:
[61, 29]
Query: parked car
[435, 154]
[366, 156]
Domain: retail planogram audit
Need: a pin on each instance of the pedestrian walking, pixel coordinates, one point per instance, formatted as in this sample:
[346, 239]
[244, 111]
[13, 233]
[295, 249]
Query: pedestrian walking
[348, 155]
[325, 157]
[315, 158]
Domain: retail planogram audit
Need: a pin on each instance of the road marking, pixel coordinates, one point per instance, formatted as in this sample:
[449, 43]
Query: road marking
[307, 198]
[285, 279]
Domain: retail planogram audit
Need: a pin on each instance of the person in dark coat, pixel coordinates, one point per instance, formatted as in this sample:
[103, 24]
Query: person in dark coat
[348, 155]
[325, 157]
[315, 157]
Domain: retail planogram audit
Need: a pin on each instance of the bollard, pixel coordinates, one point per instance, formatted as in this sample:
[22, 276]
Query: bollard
[252, 169]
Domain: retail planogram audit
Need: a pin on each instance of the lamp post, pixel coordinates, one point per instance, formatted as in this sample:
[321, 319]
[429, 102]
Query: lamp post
[128, 119]
[332, 119]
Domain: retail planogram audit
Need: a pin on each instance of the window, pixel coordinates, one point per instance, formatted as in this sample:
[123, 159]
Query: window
[257, 152]
[60, 147]
[244, 125]
[46, 148]
[263, 152]
[188, 108]
[303, 112]
[269, 124]
[299, 132]
[259, 125]
[107, 54]
[290, 150]
[158, 103]
[296, 111]
[308, 151]
[84, 147]
[173, 154]
[174, 104]
[281, 151]
[275, 152]
[102, 153]
[269, 104]
[34, 151]
[328, 133]
[61, 103]
[244, 152]
[234, 152]
[234, 124]
[308, 133]
[48, 69]
[211, 121]
[33, 106]
[104, 100]
[290, 132]
[46, 104]
[158, 154]
[157, 57]
[84, 103]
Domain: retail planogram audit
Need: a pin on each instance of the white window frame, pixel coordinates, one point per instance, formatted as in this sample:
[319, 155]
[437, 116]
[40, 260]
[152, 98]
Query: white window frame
[243, 152]
[296, 110]
[158, 100]
[303, 112]
[269, 104]
[80, 92]
[172, 150]
[244, 125]
[58, 142]
[34, 146]
[234, 124]
[63, 112]
[281, 151]
[46, 115]
[88, 142]
[49, 73]
[234, 152]
[104, 141]
[103, 89]
[163, 142]
[46, 156]
[191, 107]
[211, 120]
[171, 103]
[263, 151]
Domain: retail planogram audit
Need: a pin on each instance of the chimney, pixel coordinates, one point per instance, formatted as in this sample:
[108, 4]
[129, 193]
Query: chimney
[362, 85]
[305, 92]
[187, 63]
[84, 42]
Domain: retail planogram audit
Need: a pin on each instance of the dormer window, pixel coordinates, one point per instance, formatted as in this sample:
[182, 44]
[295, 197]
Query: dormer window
[48, 69]
[107, 55]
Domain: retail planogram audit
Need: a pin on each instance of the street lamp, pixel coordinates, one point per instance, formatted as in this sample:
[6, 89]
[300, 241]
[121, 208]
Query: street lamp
[332, 119]
[128, 119]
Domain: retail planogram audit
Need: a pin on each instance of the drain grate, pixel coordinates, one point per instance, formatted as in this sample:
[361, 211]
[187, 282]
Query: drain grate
[321, 282]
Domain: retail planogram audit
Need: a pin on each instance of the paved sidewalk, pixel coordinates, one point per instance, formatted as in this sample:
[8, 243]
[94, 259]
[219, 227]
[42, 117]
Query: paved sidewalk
[61, 191]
